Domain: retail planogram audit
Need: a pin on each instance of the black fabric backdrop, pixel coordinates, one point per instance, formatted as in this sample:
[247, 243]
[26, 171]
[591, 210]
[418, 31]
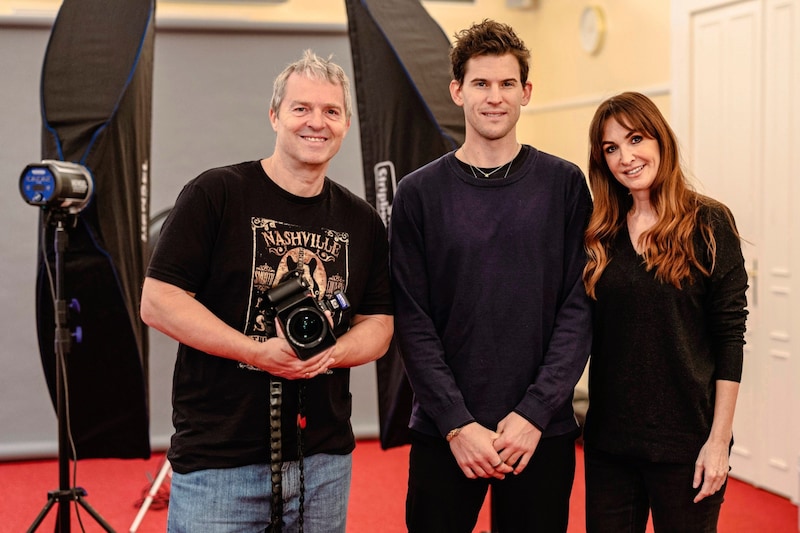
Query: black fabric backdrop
[96, 97]
[406, 118]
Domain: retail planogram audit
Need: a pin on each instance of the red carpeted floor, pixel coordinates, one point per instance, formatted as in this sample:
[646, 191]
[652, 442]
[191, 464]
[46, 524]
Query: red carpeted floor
[116, 487]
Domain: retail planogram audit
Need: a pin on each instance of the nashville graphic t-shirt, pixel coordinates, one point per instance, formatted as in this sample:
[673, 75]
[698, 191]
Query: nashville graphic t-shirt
[232, 235]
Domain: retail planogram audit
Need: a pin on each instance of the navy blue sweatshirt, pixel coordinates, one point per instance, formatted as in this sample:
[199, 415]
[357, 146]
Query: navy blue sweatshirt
[491, 315]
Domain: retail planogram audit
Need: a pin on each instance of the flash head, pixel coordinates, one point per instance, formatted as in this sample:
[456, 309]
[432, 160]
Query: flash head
[57, 185]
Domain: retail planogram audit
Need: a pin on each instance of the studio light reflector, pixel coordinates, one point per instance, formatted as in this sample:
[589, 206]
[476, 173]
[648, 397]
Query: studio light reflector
[57, 185]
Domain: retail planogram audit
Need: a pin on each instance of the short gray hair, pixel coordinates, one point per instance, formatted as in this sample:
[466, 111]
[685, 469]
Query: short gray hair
[313, 67]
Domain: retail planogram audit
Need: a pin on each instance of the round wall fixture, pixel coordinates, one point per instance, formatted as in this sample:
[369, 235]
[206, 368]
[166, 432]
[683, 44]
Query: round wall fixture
[592, 29]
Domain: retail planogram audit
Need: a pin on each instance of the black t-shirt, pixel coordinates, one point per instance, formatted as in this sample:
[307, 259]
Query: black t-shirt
[231, 236]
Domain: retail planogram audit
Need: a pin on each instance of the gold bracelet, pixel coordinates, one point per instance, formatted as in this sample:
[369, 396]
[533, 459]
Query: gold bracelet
[453, 434]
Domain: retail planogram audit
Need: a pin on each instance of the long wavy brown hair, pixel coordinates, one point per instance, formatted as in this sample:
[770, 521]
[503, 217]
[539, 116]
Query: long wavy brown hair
[668, 246]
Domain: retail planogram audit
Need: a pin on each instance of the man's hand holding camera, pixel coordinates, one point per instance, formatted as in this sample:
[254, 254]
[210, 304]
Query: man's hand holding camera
[305, 328]
[286, 364]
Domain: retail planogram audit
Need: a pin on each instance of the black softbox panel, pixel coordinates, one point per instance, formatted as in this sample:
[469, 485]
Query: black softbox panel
[406, 118]
[96, 94]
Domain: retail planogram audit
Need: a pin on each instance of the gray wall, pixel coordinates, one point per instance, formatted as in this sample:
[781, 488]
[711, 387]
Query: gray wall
[210, 107]
[27, 417]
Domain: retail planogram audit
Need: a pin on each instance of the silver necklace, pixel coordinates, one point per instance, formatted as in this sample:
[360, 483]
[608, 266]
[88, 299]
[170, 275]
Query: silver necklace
[488, 174]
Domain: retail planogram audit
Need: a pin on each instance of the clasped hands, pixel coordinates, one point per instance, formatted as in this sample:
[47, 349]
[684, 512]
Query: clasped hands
[481, 452]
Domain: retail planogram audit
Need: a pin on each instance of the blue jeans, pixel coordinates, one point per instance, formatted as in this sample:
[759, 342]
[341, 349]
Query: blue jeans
[622, 491]
[238, 499]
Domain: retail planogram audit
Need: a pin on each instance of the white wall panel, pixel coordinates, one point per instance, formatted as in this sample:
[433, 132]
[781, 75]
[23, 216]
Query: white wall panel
[781, 142]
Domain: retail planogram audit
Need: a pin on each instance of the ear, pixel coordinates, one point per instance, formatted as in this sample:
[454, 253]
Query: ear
[273, 119]
[455, 93]
[527, 91]
[346, 128]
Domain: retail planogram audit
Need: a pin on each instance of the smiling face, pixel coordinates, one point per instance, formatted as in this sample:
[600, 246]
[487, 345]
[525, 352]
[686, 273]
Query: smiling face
[632, 157]
[491, 96]
[311, 123]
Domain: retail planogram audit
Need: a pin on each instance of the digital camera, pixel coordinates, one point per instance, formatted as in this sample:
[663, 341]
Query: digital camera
[302, 317]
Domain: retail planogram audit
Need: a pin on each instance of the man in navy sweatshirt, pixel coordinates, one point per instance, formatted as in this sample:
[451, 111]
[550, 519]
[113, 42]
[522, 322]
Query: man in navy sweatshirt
[491, 314]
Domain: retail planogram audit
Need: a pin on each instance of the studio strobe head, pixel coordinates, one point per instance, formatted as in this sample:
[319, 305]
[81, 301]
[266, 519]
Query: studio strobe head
[57, 185]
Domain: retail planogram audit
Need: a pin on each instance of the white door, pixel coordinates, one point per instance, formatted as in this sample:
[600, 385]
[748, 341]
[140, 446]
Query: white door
[735, 109]
[780, 258]
[722, 154]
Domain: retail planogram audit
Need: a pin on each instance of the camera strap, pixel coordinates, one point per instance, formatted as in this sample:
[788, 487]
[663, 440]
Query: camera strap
[301, 426]
[276, 456]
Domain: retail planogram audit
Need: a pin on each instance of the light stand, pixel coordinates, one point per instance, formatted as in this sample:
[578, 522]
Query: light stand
[63, 339]
[62, 189]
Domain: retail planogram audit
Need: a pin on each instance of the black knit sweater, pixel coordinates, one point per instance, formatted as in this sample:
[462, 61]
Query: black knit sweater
[658, 350]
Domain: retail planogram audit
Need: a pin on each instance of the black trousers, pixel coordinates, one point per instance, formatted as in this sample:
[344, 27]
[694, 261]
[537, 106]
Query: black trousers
[441, 499]
[622, 491]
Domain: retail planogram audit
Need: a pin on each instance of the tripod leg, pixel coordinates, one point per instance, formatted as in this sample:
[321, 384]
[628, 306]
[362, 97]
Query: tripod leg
[89, 509]
[36, 523]
[64, 498]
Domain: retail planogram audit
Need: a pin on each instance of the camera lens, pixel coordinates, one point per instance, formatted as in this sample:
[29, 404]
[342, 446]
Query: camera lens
[306, 326]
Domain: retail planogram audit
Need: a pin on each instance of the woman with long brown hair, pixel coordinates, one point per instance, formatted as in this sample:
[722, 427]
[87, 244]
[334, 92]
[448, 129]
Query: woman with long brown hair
[667, 277]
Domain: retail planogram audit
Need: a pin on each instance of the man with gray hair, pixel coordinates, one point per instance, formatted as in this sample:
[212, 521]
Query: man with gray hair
[249, 260]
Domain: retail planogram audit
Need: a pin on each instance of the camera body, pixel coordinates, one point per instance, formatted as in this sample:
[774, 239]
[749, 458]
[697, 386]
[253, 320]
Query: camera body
[302, 317]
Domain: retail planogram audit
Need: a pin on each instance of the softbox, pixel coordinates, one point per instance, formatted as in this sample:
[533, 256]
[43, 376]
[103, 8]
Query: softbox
[406, 119]
[96, 93]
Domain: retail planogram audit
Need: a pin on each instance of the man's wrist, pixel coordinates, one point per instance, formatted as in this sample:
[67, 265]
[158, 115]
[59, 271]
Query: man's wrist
[453, 433]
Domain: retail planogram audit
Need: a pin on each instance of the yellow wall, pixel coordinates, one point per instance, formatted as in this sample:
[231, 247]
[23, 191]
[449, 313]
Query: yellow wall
[568, 83]
[290, 11]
